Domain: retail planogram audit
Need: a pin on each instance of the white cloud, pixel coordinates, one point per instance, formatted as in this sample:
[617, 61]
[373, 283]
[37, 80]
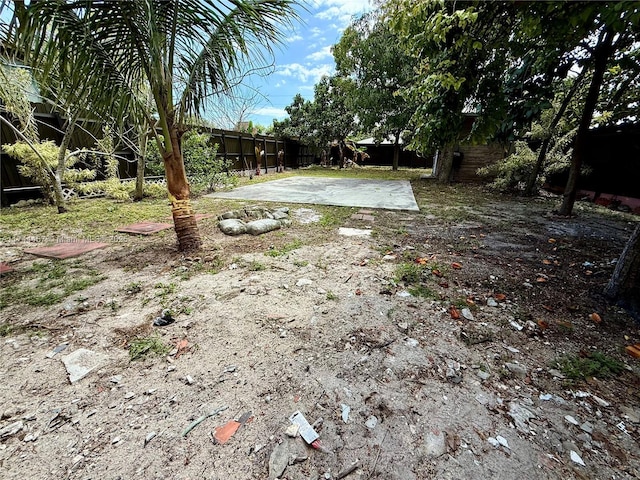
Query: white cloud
[324, 52]
[341, 10]
[302, 73]
[315, 32]
[271, 112]
[294, 38]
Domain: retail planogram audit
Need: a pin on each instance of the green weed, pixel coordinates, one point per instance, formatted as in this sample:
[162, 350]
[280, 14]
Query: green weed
[410, 273]
[596, 364]
[255, 266]
[331, 295]
[274, 252]
[143, 346]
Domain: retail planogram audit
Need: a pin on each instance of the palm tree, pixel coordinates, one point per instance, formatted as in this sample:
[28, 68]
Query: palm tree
[184, 51]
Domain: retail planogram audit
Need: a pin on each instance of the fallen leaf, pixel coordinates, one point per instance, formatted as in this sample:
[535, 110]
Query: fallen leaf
[182, 346]
[594, 317]
[548, 308]
[296, 398]
[456, 266]
[552, 240]
[421, 261]
[436, 272]
[470, 302]
[588, 273]
[444, 284]
[454, 312]
[543, 325]
[500, 297]
[541, 280]
[546, 262]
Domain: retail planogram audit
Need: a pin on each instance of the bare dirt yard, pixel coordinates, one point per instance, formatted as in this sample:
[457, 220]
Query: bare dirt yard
[469, 340]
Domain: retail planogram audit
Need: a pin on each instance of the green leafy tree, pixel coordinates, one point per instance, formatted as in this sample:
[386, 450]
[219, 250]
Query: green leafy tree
[370, 54]
[185, 51]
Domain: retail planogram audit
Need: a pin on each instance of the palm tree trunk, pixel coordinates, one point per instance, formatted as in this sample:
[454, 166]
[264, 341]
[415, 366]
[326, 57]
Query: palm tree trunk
[184, 218]
[603, 51]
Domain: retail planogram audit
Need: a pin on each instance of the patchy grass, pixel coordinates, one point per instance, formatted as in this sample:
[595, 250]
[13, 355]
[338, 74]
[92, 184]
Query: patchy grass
[410, 273]
[331, 295]
[96, 219]
[595, 364]
[275, 252]
[256, 266]
[143, 346]
[48, 283]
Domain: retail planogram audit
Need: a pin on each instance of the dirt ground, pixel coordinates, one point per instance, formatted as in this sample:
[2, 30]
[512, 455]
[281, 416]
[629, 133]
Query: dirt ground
[396, 386]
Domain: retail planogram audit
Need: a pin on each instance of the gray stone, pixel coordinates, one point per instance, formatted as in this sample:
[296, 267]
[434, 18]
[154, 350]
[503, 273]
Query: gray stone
[278, 215]
[517, 369]
[466, 313]
[303, 282]
[279, 460]
[81, 362]
[11, 429]
[491, 302]
[353, 232]
[232, 226]
[483, 375]
[587, 427]
[264, 225]
[435, 444]
[521, 416]
[231, 214]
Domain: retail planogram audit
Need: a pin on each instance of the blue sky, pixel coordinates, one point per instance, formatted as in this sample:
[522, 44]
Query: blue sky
[305, 57]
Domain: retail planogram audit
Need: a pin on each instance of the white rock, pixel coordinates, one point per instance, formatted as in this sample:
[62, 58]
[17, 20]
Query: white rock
[466, 313]
[371, 422]
[346, 409]
[353, 232]
[503, 441]
[571, 420]
[576, 458]
[292, 430]
[303, 282]
[491, 302]
[81, 362]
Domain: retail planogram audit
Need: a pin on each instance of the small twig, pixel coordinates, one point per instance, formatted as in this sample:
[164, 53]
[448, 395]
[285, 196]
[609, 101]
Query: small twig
[350, 469]
[201, 419]
[348, 278]
[373, 469]
[384, 344]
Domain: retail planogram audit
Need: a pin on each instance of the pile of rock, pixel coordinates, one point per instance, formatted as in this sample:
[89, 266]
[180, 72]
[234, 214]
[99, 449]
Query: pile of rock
[254, 220]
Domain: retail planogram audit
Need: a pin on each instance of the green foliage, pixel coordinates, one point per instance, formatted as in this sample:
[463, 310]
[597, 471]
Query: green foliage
[512, 173]
[14, 85]
[143, 346]
[596, 364]
[256, 266]
[33, 167]
[332, 296]
[116, 189]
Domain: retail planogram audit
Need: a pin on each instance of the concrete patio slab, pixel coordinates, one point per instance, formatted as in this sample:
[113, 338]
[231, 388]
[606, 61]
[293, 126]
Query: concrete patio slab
[346, 192]
[64, 250]
[144, 228]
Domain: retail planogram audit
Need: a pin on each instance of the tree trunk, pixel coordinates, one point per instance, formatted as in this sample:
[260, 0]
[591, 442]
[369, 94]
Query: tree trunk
[396, 152]
[603, 51]
[533, 176]
[62, 157]
[624, 285]
[445, 164]
[142, 144]
[184, 218]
